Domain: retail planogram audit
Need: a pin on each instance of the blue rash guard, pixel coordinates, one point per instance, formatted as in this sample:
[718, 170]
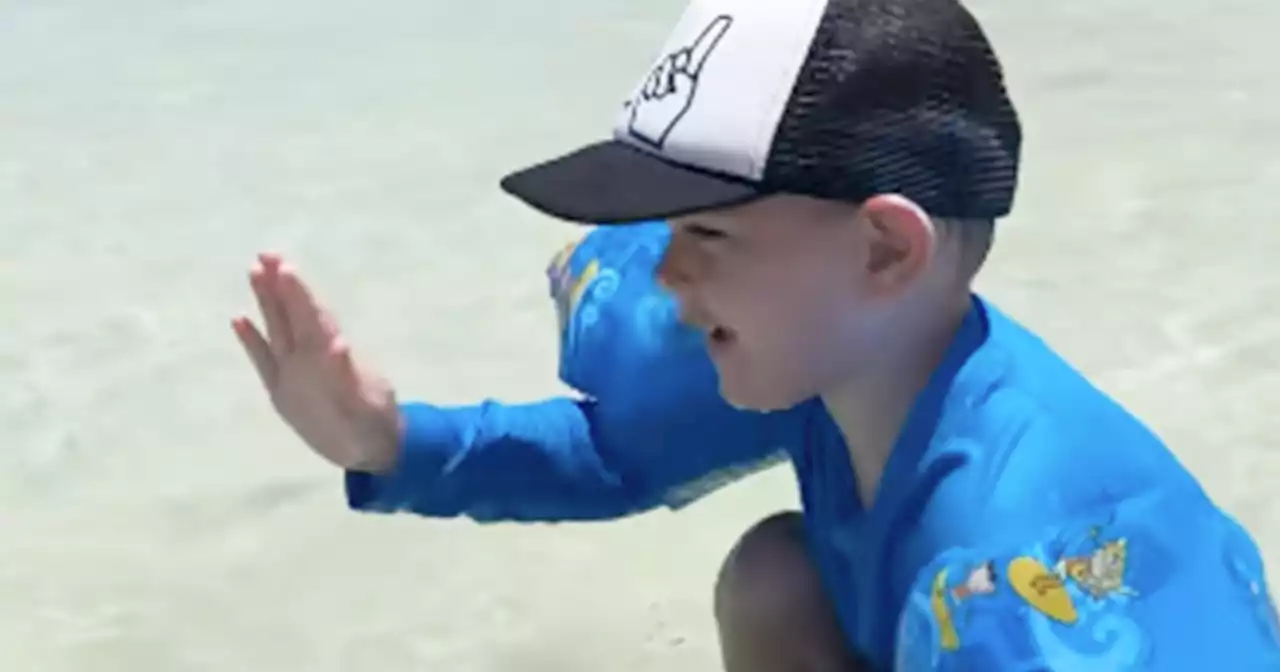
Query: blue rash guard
[1024, 521]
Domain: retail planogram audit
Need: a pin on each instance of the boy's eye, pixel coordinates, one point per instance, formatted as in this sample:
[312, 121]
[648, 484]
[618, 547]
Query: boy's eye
[703, 232]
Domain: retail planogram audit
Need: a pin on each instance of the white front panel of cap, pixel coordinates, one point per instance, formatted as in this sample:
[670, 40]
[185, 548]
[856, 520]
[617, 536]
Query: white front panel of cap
[714, 97]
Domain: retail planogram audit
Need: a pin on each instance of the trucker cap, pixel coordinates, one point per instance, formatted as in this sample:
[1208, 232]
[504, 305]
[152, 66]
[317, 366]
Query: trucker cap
[835, 99]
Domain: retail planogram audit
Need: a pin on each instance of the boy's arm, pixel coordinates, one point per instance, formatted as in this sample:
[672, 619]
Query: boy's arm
[654, 431]
[1162, 581]
[562, 459]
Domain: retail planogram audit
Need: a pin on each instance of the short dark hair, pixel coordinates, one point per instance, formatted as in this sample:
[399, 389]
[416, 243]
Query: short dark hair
[974, 236]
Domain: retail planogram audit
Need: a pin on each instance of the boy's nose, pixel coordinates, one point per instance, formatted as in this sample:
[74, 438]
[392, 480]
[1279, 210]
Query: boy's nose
[678, 267]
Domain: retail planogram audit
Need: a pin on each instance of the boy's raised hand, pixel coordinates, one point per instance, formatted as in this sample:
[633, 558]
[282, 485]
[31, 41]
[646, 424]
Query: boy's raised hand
[343, 411]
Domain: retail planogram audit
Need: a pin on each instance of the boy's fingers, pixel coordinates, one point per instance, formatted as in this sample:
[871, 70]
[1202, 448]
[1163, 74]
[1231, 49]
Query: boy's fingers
[265, 280]
[345, 366]
[258, 350]
[313, 329]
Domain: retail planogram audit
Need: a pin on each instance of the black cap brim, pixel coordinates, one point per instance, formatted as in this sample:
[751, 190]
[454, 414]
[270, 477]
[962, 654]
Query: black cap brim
[612, 182]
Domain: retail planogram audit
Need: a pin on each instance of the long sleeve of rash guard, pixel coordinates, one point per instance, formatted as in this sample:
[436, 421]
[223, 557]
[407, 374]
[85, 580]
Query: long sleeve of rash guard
[560, 459]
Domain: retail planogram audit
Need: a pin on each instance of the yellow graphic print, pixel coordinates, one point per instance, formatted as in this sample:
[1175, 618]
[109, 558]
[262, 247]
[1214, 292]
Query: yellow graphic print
[1042, 589]
[981, 581]
[1101, 573]
[561, 258]
[566, 289]
[947, 635]
[581, 283]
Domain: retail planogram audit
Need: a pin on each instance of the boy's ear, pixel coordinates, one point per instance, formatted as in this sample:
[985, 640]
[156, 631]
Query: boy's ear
[901, 240]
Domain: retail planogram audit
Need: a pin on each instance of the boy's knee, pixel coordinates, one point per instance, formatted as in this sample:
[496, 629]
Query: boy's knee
[768, 583]
[768, 572]
[771, 609]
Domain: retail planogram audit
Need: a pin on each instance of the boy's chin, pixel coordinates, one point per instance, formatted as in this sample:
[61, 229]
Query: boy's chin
[759, 399]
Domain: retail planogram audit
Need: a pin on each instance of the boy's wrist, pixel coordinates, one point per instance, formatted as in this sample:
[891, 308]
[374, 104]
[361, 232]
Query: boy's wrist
[382, 455]
[385, 460]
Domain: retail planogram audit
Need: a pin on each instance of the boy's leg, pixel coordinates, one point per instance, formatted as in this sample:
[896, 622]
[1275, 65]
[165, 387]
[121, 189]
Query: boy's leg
[771, 609]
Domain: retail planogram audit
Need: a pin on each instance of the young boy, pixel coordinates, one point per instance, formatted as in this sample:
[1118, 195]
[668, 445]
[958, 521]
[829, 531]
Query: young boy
[831, 170]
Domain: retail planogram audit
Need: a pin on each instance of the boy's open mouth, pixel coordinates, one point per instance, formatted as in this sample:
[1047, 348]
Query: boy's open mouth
[720, 336]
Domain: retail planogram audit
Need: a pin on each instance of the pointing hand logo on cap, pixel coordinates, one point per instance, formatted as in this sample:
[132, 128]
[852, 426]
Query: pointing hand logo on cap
[668, 91]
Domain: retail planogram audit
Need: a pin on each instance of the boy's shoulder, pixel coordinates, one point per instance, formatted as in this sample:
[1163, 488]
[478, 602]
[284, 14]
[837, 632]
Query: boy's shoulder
[1028, 419]
[616, 323]
[1026, 439]
[622, 343]
[1060, 518]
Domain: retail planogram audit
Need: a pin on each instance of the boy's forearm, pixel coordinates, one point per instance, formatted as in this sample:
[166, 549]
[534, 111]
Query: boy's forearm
[494, 461]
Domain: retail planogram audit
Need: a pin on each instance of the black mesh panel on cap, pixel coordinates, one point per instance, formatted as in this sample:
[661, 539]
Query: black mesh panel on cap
[900, 96]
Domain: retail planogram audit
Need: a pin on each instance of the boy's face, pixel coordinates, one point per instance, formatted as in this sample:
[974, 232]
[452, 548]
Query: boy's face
[795, 294]
[779, 288]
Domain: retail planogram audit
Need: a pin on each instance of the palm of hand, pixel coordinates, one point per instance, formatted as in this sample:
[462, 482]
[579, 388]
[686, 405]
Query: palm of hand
[344, 412]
